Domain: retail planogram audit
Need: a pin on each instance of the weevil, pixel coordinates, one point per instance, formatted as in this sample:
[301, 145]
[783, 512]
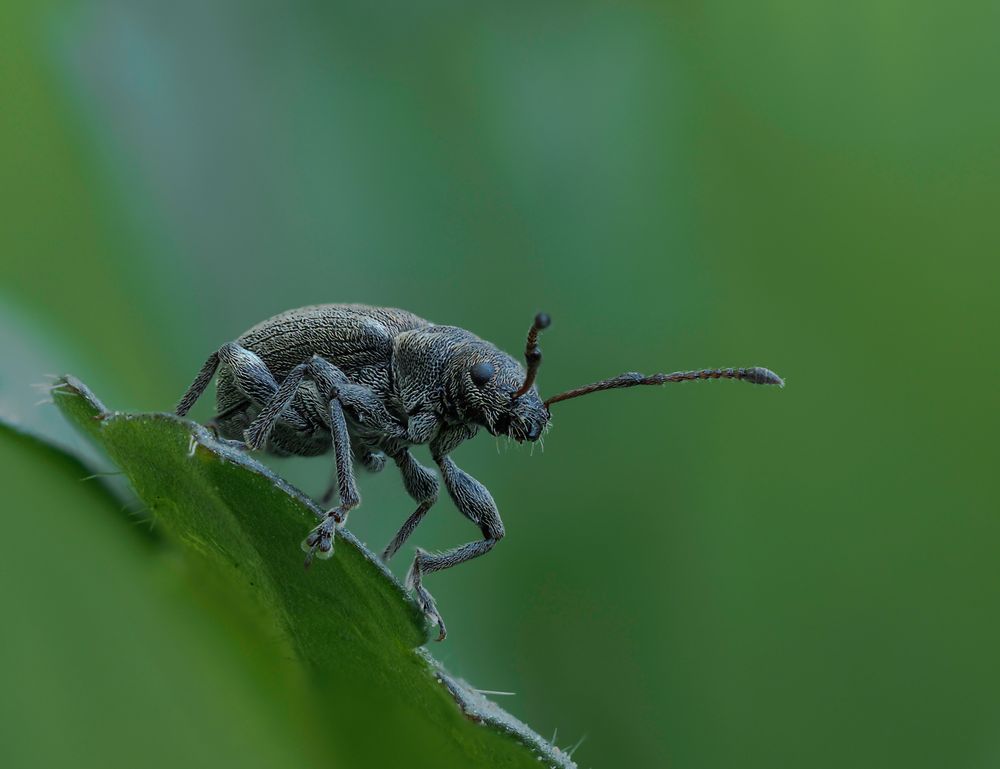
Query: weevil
[369, 383]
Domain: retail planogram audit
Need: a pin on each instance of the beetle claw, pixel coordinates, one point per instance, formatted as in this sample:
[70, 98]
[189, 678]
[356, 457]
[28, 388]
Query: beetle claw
[319, 542]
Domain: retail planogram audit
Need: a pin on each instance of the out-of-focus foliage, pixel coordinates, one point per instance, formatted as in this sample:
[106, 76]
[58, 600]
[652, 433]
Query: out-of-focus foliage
[707, 575]
[107, 656]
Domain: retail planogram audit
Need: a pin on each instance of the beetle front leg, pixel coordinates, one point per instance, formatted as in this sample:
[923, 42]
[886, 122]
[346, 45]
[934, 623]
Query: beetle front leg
[476, 504]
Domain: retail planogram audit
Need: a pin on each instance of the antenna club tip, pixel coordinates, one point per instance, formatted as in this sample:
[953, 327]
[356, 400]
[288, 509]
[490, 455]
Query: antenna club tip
[760, 375]
[542, 320]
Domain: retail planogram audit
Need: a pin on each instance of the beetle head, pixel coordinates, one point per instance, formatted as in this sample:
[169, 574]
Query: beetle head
[467, 380]
[490, 388]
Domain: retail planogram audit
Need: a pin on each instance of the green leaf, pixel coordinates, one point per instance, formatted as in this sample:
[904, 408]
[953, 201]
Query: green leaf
[106, 660]
[347, 622]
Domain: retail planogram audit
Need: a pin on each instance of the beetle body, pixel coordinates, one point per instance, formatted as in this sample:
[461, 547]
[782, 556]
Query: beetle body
[369, 383]
[416, 370]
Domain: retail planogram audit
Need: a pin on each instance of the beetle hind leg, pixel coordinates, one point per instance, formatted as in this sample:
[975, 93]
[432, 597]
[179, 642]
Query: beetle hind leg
[251, 377]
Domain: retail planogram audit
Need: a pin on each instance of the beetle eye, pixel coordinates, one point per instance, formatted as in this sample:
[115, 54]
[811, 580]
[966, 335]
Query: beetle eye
[482, 373]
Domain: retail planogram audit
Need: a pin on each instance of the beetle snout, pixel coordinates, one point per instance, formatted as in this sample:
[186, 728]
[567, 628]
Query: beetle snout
[528, 429]
[528, 418]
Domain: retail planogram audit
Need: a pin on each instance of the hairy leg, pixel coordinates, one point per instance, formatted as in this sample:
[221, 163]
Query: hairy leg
[340, 394]
[475, 503]
[252, 377]
[422, 485]
[372, 461]
[319, 542]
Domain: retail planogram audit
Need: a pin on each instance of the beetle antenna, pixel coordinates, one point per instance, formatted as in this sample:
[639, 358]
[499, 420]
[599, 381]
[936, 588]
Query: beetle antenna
[533, 353]
[756, 375]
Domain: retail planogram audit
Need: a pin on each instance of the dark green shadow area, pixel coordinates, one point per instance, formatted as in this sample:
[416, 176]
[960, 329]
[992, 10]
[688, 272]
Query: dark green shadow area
[345, 626]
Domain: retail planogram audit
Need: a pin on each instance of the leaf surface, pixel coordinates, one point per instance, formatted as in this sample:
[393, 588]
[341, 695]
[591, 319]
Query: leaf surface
[347, 622]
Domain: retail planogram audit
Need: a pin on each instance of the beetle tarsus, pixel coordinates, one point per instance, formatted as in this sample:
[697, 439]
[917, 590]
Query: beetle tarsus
[319, 542]
[425, 599]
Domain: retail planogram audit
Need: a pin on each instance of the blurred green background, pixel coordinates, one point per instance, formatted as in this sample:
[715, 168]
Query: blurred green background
[712, 575]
